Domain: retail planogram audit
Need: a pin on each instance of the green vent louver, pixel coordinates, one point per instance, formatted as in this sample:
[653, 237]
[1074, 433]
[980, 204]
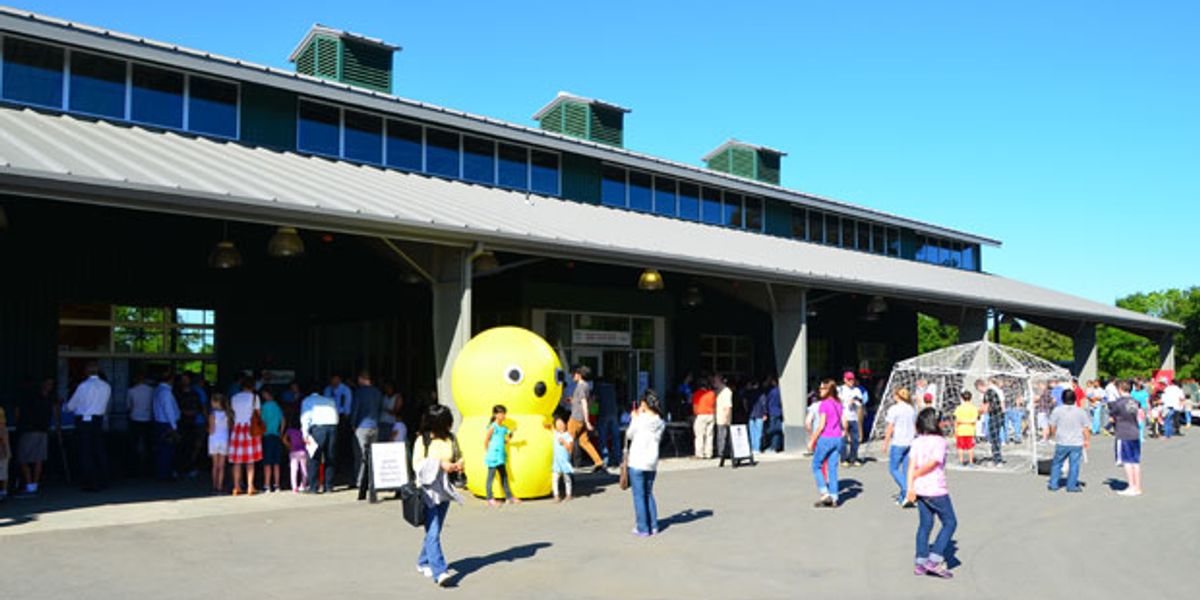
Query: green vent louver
[584, 118]
[746, 160]
[346, 58]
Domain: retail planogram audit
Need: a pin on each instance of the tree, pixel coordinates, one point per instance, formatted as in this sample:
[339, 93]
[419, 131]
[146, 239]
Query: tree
[1124, 354]
[1041, 342]
[933, 335]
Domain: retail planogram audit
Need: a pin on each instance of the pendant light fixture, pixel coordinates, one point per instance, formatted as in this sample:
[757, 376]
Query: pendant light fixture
[225, 255]
[877, 306]
[285, 243]
[692, 297]
[486, 261]
[650, 280]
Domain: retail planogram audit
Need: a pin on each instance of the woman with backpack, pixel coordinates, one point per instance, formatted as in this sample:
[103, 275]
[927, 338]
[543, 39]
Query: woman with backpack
[434, 460]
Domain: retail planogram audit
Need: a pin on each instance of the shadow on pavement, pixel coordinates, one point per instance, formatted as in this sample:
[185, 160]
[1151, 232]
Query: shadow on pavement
[952, 561]
[60, 497]
[467, 566]
[848, 489]
[1116, 485]
[683, 517]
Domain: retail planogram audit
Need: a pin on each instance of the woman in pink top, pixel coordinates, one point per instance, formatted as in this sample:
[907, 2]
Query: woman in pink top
[827, 445]
[927, 487]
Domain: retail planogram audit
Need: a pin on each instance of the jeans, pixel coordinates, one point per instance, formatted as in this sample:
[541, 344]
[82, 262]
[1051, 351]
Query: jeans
[363, 437]
[645, 510]
[503, 481]
[143, 445]
[722, 447]
[608, 430]
[431, 549]
[898, 467]
[774, 433]
[828, 448]
[325, 436]
[851, 442]
[756, 434]
[927, 507]
[1169, 422]
[164, 451]
[994, 436]
[1073, 454]
[1013, 418]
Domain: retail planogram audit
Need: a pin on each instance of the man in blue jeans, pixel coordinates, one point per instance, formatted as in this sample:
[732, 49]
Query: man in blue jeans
[1070, 427]
[608, 426]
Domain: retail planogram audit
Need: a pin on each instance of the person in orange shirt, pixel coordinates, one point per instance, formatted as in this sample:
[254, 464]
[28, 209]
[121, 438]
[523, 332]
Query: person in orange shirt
[704, 404]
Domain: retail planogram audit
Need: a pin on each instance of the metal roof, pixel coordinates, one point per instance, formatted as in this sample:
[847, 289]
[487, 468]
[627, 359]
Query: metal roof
[71, 158]
[565, 96]
[99, 39]
[735, 142]
[319, 29]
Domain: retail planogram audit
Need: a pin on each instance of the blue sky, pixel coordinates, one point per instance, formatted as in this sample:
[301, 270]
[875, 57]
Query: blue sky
[1069, 130]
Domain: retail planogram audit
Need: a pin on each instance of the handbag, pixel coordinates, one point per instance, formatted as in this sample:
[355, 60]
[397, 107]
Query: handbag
[412, 504]
[623, 480]
[457, 479]
[257, 426]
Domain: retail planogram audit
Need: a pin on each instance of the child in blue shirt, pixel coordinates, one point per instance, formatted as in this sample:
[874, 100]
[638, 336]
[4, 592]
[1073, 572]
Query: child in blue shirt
[561, 468]
[497, 438]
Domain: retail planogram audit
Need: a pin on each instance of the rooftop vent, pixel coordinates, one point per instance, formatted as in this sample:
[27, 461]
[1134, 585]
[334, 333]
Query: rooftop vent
[584, 118]
[345, 57]
[746, 160]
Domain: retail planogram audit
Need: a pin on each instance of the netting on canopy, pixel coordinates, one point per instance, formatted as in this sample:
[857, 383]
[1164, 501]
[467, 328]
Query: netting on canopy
[937, 379]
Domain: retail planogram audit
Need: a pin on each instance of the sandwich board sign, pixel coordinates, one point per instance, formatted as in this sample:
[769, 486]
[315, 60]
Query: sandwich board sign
[389, 466]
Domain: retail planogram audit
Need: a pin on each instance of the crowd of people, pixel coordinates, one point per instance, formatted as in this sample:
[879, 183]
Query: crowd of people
[178, 425]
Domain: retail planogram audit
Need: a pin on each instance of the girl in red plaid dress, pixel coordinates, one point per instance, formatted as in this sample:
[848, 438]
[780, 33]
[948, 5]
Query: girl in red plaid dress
[244, 449]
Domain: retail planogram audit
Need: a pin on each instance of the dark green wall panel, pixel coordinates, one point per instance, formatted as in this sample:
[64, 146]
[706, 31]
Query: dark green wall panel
[581, 178]
[268, 117]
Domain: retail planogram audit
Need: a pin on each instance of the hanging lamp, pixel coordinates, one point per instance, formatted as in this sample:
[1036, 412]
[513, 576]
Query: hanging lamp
[650, 280]
[285, 243]
[224, 254]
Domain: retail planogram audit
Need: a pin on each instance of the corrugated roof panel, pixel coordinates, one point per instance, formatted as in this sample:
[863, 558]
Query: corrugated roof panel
[362, 197]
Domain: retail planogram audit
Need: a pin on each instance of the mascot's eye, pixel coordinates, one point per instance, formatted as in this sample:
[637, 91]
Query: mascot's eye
[514, 375]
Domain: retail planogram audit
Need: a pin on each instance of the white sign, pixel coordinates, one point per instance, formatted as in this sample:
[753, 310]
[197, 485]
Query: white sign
[389, 465]
[593, 337]
[741, 441]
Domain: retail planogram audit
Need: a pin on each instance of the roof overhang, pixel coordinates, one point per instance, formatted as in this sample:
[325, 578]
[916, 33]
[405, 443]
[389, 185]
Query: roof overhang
[62, 157]
[740, 144]
[104, 40]
[569, 97]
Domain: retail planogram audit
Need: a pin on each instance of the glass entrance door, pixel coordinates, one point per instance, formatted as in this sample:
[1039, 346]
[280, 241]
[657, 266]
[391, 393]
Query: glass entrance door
[592, 358]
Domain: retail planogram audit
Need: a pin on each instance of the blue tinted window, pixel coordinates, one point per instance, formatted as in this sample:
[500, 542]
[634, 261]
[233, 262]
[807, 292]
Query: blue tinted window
[363, 137]
[157, 96]
[710, 208]
[544, 168]
[664, 196]
[969, 254]
[404, 145]
[733, 210]
[689, 201]
[33, 73]
[212, 105]
[893, 242]
[877, 244]
[639, 192]
[754, 213]
[97, 85]
[833, 230]
[612, 186]
[816, 227]
[514, 166]
[318, 128]
[479, 160]
[441, 152]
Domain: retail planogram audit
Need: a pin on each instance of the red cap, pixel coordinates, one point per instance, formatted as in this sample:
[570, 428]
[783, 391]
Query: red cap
[848, 375]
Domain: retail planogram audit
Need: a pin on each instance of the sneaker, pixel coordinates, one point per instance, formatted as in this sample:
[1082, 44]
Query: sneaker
[1129, 492]
[493, 502]
[920, 569]
[907, 504]
[442, 579]
[426, 571]
[938, 570]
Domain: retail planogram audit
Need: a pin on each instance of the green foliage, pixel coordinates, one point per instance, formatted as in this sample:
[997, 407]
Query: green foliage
[933, 335]
[1124, 354]
[1041, 342]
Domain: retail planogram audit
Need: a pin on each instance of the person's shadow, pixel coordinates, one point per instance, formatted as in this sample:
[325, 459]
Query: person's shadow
[848, 489]
[951, 557]
[683, 517]
[1116, 485]
[466, 566]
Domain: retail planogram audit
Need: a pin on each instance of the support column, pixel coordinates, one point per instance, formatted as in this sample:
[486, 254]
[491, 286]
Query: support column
[789, 331]
[1086, 362]
[974, 325]
[451, 316]
[1166, 352]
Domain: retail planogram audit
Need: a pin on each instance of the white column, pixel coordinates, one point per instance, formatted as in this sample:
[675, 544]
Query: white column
[451, 316]
[789, 328]
[1166, 352]
[1086, 361]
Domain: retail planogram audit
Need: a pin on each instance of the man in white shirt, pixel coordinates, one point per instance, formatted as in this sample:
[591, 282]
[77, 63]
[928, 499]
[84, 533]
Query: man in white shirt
[319, 424]
[1172, 402]
[926, 395]
[141, 421]
[166, 425]
[723, 416]
[89, 403]
[851, 396]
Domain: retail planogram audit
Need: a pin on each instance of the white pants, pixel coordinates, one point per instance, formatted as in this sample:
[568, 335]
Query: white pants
[566, 479]
[703, 430]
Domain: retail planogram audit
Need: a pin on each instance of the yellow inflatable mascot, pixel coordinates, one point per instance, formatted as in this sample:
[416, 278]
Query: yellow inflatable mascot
[514, 367]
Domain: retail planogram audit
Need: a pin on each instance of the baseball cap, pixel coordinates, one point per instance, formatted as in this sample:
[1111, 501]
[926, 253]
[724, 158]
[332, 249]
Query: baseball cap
[848, 375]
